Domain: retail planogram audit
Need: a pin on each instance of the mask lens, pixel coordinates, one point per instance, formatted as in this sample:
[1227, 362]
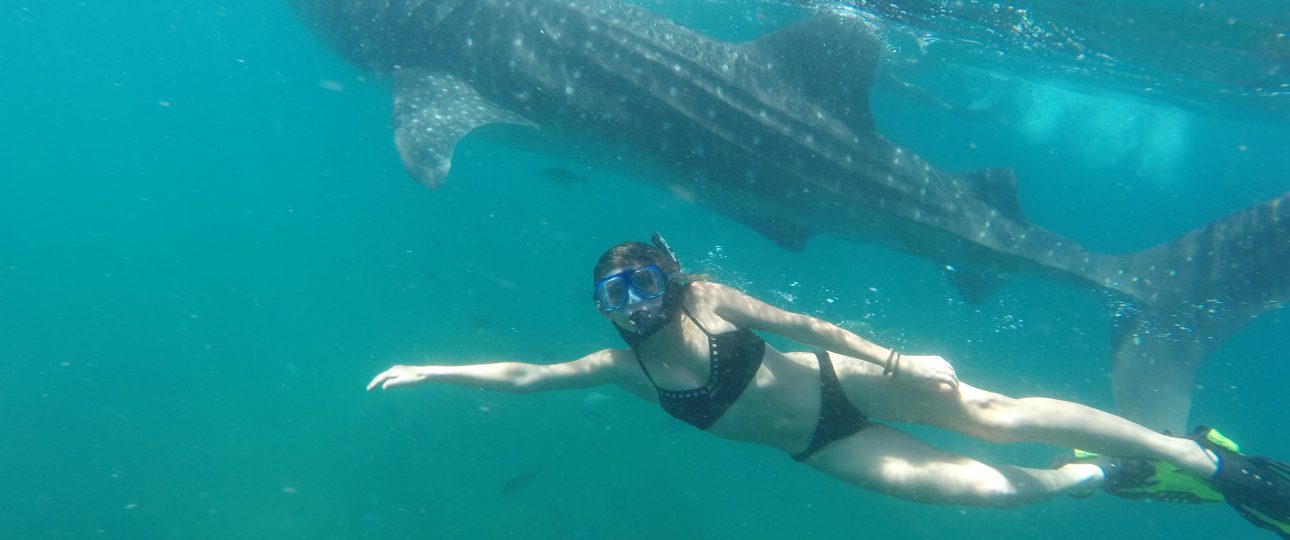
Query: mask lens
[611, 293]
[649, 281]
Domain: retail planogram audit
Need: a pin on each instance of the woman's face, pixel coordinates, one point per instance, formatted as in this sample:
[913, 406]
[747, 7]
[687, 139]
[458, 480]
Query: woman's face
[623, 316]
[627, 291]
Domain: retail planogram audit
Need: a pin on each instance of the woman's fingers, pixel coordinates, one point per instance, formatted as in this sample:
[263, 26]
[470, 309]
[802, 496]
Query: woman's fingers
[951, 383]
[951, 377]
[378, 380]
[933, 370]
[396, 376]
[388, 378]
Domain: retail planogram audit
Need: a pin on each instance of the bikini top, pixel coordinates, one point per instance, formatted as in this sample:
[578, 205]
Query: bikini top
[733, 360]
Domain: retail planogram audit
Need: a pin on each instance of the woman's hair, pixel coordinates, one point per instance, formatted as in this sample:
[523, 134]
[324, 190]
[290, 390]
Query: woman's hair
[637, 254]
[632, 255]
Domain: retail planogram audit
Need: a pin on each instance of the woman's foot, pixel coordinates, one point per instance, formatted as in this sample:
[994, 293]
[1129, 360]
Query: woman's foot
[1140, 478]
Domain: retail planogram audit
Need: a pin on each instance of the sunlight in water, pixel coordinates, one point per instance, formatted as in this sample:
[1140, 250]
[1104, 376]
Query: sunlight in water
[1149, 139]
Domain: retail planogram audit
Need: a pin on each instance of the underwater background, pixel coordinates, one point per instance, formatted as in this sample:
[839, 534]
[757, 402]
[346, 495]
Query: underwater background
[208, 247]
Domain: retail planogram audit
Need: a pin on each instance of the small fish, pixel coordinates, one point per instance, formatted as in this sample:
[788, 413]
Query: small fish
[562, 176]
[436, 278]
[482, 325]
[519, 482]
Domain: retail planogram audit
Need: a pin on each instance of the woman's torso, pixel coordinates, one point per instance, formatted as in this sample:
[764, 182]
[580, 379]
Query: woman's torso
[779, 407]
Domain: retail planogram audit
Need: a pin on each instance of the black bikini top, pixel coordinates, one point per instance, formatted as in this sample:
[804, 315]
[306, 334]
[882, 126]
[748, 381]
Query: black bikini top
[733, 360]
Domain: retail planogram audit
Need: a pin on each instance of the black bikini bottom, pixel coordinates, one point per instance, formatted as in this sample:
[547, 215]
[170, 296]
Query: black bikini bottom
[839, 419]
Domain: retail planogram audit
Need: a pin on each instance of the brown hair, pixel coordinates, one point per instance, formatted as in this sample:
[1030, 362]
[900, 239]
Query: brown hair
[632, 255]
[637, 254]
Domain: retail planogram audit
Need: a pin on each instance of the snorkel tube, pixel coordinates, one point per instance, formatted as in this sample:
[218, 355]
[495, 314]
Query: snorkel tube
[647, 323]
[659, 242]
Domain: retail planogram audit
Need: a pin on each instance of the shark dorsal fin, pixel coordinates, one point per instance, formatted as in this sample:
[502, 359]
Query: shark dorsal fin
[831, 59]
[998, 188]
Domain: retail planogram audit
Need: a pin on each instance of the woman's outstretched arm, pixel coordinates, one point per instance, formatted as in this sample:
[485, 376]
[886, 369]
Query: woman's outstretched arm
[609, 366]
[743, 310]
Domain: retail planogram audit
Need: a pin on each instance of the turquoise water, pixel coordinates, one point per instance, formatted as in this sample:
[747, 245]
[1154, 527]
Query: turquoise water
[208, 246]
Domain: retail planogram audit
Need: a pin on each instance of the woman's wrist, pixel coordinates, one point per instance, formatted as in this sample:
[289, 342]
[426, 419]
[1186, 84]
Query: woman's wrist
[891, 365]
[429, 371]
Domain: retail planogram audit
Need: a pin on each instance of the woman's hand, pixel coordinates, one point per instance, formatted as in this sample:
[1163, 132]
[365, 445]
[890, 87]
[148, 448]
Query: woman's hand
[400, 376]
[928, 370]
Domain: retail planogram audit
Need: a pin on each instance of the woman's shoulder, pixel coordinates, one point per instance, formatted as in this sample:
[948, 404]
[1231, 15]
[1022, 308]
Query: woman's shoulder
[707, 302]
[700, 289]
[709, 293]
[708, 288]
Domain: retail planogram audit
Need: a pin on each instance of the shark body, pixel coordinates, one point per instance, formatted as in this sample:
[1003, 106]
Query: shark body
[777, 134]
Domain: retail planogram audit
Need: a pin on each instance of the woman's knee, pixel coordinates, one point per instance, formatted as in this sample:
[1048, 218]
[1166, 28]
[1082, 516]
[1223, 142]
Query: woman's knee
[965, 484]
[995, 417]
[994, 492]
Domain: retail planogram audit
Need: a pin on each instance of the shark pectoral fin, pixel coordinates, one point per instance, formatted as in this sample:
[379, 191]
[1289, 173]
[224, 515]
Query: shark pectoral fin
[830, 58]
[974, 285]
[998, 188]
[432, 112]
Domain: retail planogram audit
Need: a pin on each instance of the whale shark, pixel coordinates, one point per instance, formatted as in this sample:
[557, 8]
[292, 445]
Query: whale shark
[777, 134]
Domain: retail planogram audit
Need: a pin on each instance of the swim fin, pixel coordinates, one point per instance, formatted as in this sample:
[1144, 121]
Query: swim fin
[1140, 478]
[1257, 487]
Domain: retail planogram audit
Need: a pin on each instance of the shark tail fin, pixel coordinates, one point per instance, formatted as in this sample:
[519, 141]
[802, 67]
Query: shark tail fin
[830, 58]
[1191, 294]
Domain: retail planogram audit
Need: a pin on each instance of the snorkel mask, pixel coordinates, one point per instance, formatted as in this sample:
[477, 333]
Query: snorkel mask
[632, 287]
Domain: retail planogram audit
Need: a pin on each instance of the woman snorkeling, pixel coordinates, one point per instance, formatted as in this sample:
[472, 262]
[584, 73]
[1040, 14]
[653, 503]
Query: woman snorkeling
[692, 350]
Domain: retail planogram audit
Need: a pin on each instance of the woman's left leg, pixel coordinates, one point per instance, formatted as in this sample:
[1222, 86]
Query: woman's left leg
[888, 461]
[999, 418]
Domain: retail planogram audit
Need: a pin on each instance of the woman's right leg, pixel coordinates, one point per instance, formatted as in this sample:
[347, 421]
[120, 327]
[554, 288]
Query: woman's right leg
[999, 418]
[888, 461]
